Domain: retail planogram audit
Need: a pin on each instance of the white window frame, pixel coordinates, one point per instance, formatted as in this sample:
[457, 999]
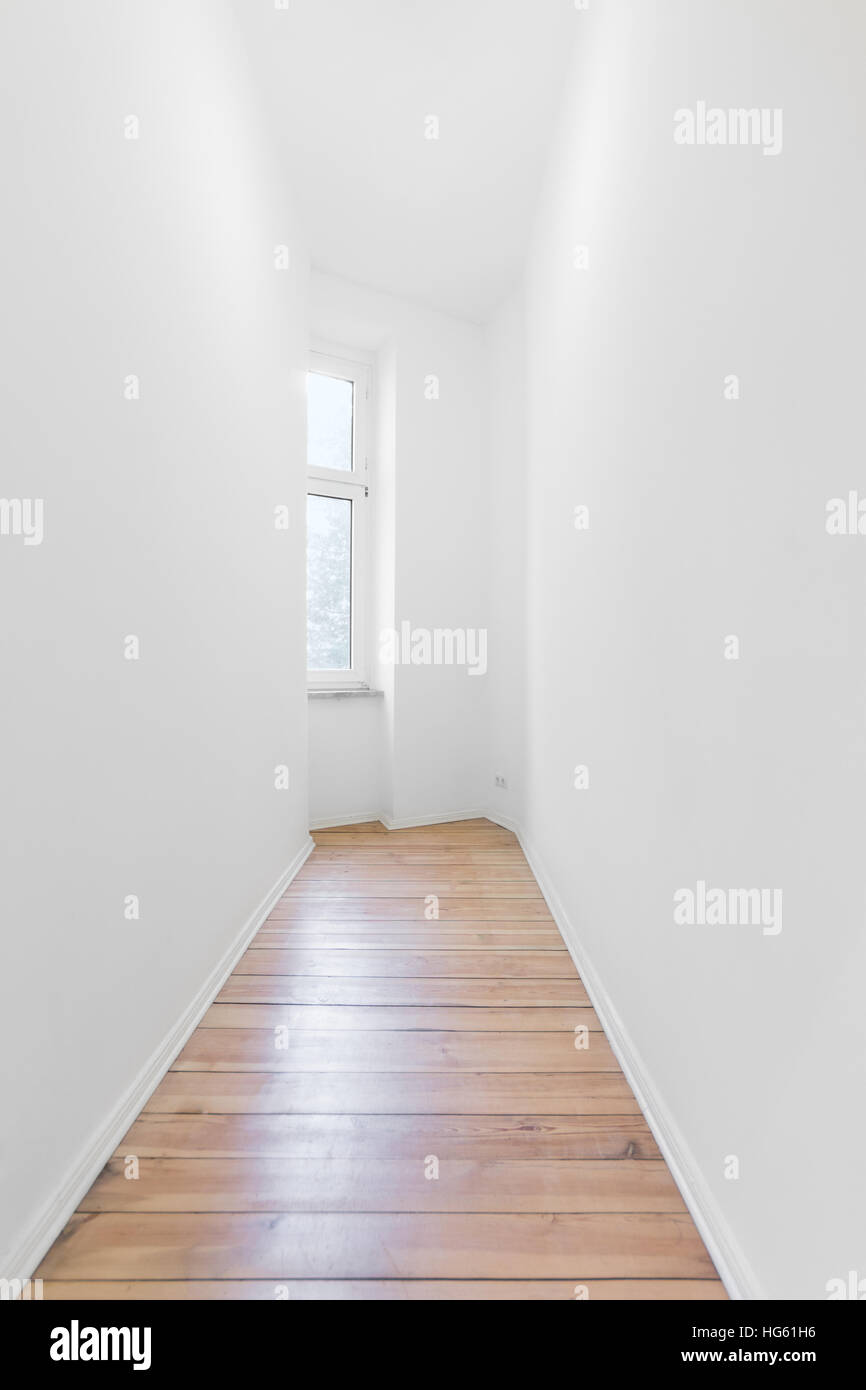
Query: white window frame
[353, 486]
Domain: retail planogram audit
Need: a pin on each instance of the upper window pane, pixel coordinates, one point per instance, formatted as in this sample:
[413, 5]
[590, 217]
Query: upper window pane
[330, 401]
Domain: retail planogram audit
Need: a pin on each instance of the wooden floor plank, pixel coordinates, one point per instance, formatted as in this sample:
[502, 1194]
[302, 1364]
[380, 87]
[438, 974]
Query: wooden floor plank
[321, 872]
[335, 908]
[414, 887]
[384, 1185]
[354, 937]
[450, 857]
[409, 1002]
[379, 1245]
[394, 1093]
[389, 1136]
[398, 1290]
[253, 1049]
[369, 1017]
[378, 992]
[417, 964]
[417, 932]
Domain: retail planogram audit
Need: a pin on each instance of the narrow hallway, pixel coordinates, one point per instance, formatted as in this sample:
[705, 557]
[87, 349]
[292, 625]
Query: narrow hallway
[402, 1091]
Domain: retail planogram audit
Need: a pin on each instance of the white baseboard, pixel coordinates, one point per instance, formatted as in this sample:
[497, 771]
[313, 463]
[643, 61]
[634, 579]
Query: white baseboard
[507, 823]
[404, 822]
[23, 1259]
[410, 822]
[360, 819]
[733, 1268]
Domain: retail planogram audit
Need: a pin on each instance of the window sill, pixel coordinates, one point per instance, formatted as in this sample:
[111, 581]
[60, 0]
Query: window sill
[342, 694]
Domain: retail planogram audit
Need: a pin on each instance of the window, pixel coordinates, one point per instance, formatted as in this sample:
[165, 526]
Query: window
[337, 495]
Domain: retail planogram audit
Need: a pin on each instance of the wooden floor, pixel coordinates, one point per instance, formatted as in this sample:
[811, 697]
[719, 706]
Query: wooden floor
[387, 1104]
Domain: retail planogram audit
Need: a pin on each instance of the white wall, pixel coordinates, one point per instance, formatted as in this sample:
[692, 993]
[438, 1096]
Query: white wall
[348, 780]
[504, 746]
[155, 778]
[708, 519]
[432, 569]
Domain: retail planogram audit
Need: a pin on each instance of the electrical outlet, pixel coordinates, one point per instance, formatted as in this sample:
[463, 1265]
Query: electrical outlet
[499, 781]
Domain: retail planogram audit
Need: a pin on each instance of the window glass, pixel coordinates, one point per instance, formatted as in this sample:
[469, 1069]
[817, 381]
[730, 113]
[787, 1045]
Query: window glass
[329, 583]
[329, 422]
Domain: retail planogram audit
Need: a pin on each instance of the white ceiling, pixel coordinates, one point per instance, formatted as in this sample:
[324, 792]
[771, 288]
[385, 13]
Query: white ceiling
[350, 83]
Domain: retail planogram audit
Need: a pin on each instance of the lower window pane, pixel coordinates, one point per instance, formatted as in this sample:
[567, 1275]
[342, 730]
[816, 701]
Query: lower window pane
[329, 583]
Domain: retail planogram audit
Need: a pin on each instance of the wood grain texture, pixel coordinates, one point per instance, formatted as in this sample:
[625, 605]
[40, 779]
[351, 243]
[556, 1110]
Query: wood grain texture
[353, 936]
[416, 886]
[415, 964]
[390, 1290]
[385, 1185]
[402, 1092]
[402, 1019]
[377, 992]
[448, 858]
[394, 1093]
[324, 873]
[244, 1135]
[357, 1245]
[320, 907]
[344, 1052]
